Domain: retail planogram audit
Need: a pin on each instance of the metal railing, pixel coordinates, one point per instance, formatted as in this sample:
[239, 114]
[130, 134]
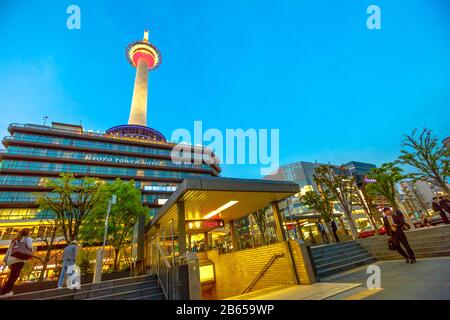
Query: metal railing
[163, 272]
[85, 133]
[262, 272]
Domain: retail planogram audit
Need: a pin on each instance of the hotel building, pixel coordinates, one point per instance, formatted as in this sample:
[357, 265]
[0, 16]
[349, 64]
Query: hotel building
[34, 154]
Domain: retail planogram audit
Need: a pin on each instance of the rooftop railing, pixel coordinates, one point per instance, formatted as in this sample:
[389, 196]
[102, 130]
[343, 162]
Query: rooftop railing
[86, 133]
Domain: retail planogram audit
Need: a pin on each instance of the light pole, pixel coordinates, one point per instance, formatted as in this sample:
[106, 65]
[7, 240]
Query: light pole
[100, 252]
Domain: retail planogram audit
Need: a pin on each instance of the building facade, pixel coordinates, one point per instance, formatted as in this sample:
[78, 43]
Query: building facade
[446, 142]
[302, 173]
[418, 195]
[35, 154]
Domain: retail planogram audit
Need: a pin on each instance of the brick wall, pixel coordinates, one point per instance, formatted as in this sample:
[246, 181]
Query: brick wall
[236, 270]
[301, 262]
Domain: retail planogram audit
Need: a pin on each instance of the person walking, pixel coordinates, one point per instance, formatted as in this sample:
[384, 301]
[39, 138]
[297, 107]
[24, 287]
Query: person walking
[394, 224]
[423, 219]
[20, 250]
[311, 236]
[444, 204]
[69, 256]
[334, 230]
[323, 232]
[436, 206]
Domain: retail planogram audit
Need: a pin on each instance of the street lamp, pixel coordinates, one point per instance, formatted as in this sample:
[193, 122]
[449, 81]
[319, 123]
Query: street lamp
[100, 252]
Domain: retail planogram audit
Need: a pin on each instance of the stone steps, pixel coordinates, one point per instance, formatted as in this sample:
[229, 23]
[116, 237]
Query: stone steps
[426, 243]
[338, 257]
[414, 245]
[322, 259]
[354, 264]
[142, 287]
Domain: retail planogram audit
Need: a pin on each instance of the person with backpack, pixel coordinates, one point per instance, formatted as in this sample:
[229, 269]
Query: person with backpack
[69, 257]
[19, 251]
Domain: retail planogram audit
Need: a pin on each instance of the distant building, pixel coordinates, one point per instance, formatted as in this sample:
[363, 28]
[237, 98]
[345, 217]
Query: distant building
[419, 195]
[447, 143]
[360, 170]
[302, 173]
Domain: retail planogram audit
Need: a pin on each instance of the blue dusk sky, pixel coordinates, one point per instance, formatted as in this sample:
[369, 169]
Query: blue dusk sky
[336, 90]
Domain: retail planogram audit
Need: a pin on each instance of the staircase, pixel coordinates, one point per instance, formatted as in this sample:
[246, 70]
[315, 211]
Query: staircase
[338, 257]
[136, 288]
[425, 242]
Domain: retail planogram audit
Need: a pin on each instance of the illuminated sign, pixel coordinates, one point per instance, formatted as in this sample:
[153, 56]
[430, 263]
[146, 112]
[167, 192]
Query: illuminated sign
[162, 201]
[93, 157]
[204, 224]
[367, 180]
[160, 188]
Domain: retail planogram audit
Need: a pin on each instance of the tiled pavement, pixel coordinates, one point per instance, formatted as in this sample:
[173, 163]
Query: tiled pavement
[428, 279]
[318, 291]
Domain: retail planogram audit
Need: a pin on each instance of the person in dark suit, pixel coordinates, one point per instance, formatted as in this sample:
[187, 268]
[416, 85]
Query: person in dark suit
[334, 230]
[436, 206]
[323, 232]
[394, 223]
[444, 204]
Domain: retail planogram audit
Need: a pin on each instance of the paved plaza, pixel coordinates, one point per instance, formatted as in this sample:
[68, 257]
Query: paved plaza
[428, 279]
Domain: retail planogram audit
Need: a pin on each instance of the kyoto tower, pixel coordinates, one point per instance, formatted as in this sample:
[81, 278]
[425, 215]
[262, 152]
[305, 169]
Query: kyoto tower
[144, 57]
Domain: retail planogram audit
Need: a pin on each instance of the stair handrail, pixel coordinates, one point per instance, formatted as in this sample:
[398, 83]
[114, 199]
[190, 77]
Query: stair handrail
[164, 286]
[262, 272]
[161, 252]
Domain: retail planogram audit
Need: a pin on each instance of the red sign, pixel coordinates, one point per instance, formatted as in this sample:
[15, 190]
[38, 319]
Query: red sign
[204, 224]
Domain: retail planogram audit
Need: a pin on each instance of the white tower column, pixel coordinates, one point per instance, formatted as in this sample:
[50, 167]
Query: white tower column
[138, 112]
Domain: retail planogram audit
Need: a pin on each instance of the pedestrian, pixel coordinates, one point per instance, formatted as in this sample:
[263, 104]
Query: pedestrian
[323, 232]
[394, 224]
[423, 219]
[444, 204]
[435, 205]
[69, 257]
[20, 250]
[334, 230]
[311, 235]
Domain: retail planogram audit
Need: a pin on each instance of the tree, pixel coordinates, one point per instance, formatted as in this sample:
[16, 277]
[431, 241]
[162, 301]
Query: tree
[428, 156]
[336, 182]
[385, 182]
[260, 217]
[49, 237]
[71, 201]
[123, 216]
[364, 202]
[320, 203]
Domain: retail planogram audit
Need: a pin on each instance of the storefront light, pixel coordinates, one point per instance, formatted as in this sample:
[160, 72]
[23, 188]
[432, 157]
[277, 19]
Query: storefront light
[220, 209]
[207, 273]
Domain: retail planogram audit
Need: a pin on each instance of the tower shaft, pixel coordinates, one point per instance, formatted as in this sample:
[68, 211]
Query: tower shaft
[138, 112]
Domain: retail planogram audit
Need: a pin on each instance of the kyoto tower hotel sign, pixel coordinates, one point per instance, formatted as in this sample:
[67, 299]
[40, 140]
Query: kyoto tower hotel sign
[144, 57]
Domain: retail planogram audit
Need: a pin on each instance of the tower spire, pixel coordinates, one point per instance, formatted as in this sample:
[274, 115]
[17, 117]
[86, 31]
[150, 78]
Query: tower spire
[144, 57]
